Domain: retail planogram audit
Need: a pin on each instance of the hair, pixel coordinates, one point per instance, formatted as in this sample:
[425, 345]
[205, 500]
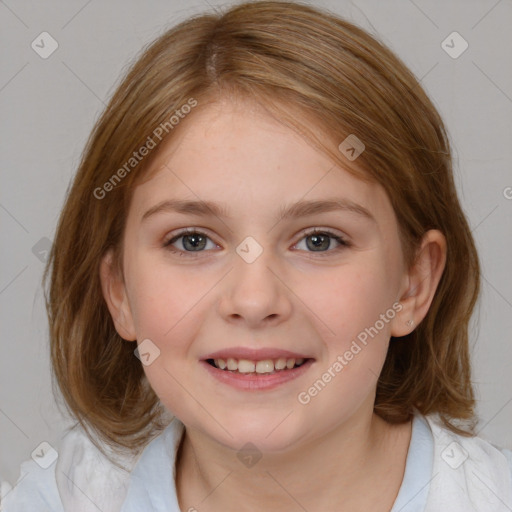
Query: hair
[324, 77]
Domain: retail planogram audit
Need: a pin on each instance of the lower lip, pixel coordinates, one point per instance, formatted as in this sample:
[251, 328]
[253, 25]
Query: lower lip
[257, 382]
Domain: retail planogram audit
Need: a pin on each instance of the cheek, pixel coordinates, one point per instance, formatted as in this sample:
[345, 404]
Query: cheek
[354, 304]
[166, 306]
[349, 300]
[161, 296]
[169, 305]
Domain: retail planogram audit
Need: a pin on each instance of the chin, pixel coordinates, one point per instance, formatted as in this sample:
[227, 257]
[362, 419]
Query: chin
[265, 432]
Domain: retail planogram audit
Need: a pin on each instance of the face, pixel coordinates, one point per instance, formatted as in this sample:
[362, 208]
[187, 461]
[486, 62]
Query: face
[248, 284]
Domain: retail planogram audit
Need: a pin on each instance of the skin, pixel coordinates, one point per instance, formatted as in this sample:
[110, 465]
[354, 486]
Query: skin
[295, 297]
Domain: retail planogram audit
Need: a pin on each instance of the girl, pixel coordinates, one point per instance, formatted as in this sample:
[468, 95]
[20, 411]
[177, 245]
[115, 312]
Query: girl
[261, 283]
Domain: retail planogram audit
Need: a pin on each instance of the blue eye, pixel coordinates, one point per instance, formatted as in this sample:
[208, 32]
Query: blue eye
[321, 239]
[194, 241]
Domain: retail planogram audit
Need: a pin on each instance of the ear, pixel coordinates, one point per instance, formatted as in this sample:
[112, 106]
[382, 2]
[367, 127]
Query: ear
[420, 283]
[114, 292]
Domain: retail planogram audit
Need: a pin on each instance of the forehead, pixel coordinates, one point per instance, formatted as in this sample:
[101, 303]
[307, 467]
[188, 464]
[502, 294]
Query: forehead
[237, 154]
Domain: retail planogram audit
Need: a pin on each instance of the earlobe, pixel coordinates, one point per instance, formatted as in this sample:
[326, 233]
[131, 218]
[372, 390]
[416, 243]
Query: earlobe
[114, 293]
[421, 283]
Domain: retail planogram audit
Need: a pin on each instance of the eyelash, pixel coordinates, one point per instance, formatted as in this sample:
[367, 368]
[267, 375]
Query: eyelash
[343, 243]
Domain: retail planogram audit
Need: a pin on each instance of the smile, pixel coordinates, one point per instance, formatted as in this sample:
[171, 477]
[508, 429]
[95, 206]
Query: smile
[265, 366]
[256, 375]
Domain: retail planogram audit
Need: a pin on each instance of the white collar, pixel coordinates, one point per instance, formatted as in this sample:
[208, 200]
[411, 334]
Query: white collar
[433, 480]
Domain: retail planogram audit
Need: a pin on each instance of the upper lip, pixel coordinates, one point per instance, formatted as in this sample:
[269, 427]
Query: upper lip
[252, 354]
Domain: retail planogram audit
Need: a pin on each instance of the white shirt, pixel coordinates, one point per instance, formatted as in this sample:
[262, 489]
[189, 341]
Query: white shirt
[444, 472]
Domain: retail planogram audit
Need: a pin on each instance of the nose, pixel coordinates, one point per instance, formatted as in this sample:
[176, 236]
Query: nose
[255, 293]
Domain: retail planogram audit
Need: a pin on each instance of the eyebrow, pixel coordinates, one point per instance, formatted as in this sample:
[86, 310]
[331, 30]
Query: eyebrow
[299, 209]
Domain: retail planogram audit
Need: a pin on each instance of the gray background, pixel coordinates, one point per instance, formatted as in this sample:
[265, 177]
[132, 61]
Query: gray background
[49, 107]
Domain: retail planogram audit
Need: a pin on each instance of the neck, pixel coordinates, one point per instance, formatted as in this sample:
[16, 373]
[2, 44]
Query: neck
[358, 466]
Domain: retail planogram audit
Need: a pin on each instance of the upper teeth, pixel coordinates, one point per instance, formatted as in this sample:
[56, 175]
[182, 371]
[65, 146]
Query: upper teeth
[264, 366]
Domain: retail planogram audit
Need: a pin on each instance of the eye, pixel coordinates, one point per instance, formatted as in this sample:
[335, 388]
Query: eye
[194, 241]
[321, 241]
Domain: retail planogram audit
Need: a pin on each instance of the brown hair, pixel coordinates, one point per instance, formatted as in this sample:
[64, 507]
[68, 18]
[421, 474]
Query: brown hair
[291, 58]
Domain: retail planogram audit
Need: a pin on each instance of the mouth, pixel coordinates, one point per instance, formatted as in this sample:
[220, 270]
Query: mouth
[256, 371]
[258, 367]
[262, 369]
